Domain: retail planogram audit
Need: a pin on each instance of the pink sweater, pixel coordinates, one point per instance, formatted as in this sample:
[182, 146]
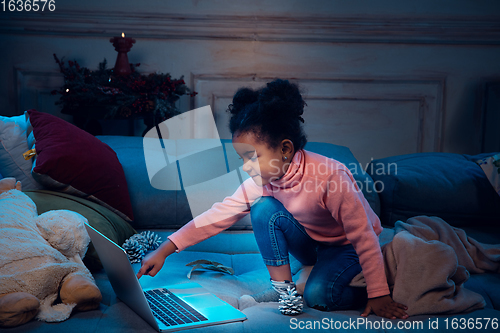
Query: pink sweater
[321, 195]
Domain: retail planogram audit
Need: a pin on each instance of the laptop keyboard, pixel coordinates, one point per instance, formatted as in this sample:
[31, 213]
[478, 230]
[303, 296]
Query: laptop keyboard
[170, 309]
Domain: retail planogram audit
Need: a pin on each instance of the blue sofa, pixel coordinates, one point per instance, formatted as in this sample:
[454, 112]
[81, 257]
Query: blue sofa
[451, 186]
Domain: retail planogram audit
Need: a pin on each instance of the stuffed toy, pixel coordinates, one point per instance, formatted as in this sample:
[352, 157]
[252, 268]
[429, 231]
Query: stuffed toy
[41, 270]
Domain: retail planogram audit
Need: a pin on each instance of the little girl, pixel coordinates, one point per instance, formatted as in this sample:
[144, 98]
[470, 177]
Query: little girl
[300, 203]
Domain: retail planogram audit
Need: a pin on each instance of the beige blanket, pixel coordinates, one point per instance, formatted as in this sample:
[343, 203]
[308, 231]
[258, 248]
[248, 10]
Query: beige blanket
[427, 263]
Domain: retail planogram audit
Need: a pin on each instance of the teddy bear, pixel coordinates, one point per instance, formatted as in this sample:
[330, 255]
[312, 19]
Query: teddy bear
[41, 270]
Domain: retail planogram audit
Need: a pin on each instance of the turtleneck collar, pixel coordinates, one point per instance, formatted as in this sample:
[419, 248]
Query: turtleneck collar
[293, 174]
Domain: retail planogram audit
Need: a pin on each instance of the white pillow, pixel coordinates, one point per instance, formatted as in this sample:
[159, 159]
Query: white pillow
[491, 168]
[13, 143]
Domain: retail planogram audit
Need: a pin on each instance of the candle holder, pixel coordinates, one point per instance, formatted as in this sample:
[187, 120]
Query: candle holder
[122, 46]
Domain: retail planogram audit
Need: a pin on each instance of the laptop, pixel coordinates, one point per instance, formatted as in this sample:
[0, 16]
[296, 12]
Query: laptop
[169, 308]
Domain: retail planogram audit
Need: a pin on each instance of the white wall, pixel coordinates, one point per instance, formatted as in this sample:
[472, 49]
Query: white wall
[382, 77]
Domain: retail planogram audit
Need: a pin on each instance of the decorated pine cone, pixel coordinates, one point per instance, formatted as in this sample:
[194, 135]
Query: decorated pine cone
[291, 303]
[151, 239]
[139, 238]
[135, 250]
[137, 245]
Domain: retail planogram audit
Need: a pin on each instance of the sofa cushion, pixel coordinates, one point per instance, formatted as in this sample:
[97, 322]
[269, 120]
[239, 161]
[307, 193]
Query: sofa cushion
[153, 208]
[450, 186]
[167, 207]
[73, 161]
[164, 206]
[13, 143]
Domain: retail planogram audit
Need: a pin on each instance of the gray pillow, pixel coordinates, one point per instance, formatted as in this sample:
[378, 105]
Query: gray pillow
[450, 186]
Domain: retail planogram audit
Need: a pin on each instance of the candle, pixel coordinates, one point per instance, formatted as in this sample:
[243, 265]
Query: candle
[122, 46]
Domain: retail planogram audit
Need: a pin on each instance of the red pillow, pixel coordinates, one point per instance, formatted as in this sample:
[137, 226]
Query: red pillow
[73, 161]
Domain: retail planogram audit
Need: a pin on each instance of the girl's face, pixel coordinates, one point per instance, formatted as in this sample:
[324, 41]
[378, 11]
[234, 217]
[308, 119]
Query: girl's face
[261, 162]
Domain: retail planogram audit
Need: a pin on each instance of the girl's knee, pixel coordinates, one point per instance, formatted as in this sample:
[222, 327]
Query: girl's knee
[264, 209]
[315, 296]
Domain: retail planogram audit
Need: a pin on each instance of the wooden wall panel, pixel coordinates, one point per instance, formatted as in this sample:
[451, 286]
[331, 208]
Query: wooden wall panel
[490, 117]
[383, 78]
[33, 90]
[374, 117]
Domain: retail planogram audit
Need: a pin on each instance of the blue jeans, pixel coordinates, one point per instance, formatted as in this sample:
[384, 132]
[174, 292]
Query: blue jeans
[278, 233]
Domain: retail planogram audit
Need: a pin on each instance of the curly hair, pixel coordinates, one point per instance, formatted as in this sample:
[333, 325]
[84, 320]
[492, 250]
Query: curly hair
[273, 113]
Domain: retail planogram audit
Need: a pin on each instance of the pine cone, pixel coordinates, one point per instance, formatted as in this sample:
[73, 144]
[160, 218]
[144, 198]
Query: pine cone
[141, 240]
[135, 250]
[137, 245]
[151, 239]
[290, 302]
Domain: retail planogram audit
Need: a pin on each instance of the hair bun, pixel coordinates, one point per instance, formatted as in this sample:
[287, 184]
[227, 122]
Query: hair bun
[242, 98]
[273, 113]
[281, 98]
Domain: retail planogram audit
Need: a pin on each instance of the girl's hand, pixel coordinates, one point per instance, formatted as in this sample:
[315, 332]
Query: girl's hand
[384, 306]
[153, 262]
